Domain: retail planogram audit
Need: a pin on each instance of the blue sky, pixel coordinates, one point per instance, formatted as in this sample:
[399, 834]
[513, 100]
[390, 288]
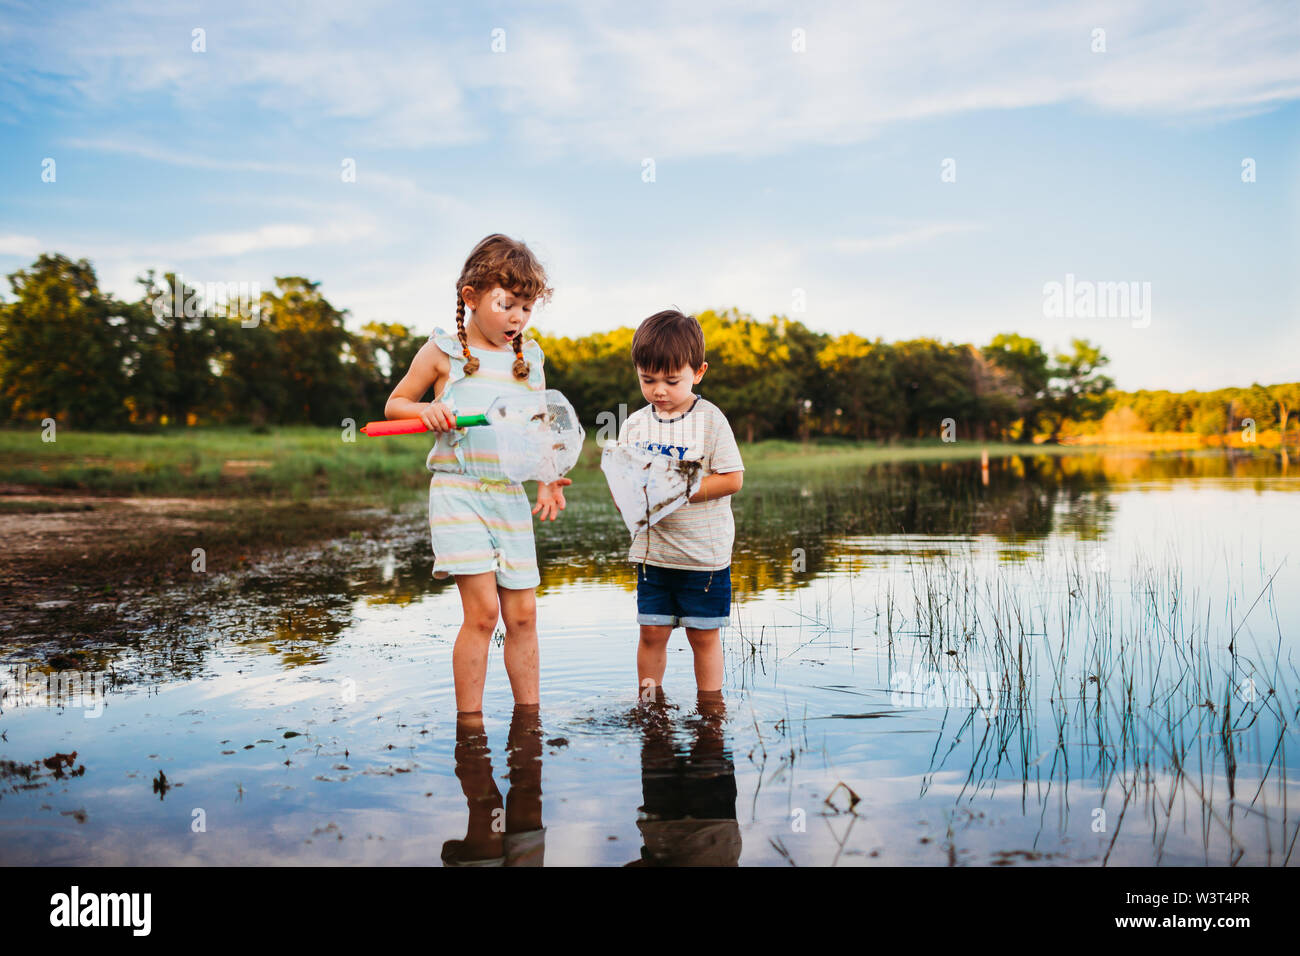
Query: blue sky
[775, 170]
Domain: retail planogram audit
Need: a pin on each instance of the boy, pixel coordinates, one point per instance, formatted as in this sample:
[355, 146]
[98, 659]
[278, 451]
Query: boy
[683, 561]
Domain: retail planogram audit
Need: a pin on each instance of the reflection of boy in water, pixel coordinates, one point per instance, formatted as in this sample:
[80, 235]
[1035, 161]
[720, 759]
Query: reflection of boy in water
[523, 841]
[689, 814]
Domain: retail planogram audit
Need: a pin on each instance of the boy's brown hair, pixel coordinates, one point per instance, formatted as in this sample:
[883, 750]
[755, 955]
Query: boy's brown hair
[500, 261]
[668, 341]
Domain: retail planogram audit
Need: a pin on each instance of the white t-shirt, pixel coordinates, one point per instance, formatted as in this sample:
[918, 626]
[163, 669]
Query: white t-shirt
[697, 536]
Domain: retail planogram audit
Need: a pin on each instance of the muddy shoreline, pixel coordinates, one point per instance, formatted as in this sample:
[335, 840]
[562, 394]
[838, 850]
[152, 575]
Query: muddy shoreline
[83, 573]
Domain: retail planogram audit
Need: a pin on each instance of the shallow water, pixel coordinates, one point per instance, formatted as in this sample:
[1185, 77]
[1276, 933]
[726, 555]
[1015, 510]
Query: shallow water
[923, 668]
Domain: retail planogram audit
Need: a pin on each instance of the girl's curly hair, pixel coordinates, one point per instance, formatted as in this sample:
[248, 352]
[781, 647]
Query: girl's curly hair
[500, 261]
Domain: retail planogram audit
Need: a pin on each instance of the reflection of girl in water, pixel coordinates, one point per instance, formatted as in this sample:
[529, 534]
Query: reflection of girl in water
[689, 814]
[509, 835]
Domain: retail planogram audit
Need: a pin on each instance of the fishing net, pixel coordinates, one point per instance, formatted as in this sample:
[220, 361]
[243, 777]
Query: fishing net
[539, 435]
[647, 486]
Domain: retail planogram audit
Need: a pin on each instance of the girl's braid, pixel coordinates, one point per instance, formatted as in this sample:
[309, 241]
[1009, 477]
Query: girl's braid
[521, 366]
[471, 363]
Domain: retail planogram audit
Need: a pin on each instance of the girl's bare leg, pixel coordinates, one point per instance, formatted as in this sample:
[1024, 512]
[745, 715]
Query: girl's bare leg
[519, 609]
[478, 599]
[524, 757]
[482, 840]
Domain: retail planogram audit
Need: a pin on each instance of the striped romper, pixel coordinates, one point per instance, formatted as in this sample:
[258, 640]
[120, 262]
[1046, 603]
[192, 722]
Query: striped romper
[479, 519]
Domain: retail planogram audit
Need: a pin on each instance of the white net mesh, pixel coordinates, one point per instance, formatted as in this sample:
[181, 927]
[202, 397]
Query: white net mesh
[539, 435]
[647, 487]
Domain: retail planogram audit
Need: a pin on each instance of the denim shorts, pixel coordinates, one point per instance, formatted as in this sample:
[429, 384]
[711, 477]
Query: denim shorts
[682, 598]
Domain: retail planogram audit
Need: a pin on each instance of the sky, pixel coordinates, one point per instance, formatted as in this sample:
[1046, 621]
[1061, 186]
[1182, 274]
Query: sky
[893, 170]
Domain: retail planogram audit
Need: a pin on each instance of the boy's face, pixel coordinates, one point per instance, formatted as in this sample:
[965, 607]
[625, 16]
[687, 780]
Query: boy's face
[670, 392]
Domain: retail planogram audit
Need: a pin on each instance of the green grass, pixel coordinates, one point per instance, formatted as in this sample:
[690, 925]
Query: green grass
[781, 452]
[307, 462]
[303, 463]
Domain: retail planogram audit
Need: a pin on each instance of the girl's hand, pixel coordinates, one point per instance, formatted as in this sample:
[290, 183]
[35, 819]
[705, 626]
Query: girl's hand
[437, 417]
[550, 499]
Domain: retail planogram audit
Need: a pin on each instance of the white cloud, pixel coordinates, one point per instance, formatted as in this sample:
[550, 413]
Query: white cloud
[682, 79]
[280, 99]
[240, 255]
[400, 188]
[219, 245]
[176, 157]
[272, 236]
[29, 247]
[906, 237]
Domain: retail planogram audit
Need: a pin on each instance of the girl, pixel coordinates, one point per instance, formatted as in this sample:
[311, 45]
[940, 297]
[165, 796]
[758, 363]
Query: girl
[481, 527]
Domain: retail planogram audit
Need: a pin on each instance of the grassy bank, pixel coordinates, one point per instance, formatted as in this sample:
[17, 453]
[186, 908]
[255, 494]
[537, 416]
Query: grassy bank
[301, 463]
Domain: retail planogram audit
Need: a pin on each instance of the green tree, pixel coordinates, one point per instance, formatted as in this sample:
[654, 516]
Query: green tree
[309, 338]
[1256, 404]
[595, 373]
[1024, 360]
[381, 354]
[1209, 417]
[862, 391]
[1163, 411]
[62, 352]
[749, 375]
[174, 373]
[996, 395]
[935, 382]
[253, 385]
[1079, 388]
[811, 387]
[1287, 400]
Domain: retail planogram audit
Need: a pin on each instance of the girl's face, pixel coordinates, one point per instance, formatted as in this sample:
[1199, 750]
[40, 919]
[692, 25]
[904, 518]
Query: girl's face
[670, 392]
[500, 316]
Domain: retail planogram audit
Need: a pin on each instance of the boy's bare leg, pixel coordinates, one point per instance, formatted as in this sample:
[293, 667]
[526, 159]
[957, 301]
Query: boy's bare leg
[711, 704]
[519, 610]
[707, 646]
[478, 599]
[652, 655]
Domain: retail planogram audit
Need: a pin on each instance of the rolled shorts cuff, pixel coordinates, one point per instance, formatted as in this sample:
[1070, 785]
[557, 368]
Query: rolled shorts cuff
[657, 620]
[670, 620]
[520, 582]
[705, 623]
[505, 579]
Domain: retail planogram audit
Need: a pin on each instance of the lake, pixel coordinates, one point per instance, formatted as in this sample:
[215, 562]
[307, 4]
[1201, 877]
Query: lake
[1081, 659]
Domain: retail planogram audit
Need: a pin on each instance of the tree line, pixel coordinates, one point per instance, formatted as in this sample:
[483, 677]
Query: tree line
[74, 353]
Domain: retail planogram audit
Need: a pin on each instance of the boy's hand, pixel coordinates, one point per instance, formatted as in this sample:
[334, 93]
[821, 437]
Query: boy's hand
[437, 417]
[550, 499]
[717, 485]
